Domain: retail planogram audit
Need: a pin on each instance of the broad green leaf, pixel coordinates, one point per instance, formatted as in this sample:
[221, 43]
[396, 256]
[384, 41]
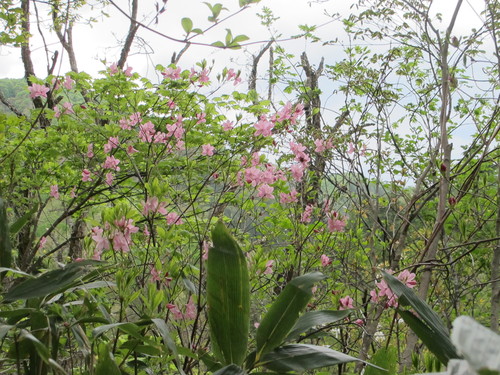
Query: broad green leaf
[239, 39]
[218, 44]
[42, 350]
[302, 357]
[5, 246]
[210, 362]
[428, 326]
[284, 312]
[386, 358]
[50, 282]
[4, 329]
[105, 363]
[314, 318]
[228, 297]
[408, 297]
[230, 370]
[441, 346]
[21, 222]
[187, 24]
[17, 272]
[129, 328]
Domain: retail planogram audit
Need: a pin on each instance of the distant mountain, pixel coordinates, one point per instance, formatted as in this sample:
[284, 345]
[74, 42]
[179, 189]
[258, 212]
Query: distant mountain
[16, 92]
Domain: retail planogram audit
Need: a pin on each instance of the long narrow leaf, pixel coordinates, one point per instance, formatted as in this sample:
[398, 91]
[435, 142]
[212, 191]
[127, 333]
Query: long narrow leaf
[315, 318]
[5, 246]
[284, 312]
[428, 326]
[301, 357]
[230, 370]
[168, 341]
[441, 346]
[228, 298]
[50, 282]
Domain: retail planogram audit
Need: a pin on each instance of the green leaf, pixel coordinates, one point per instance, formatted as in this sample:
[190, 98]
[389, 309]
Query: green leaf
[314, 318]
[230, 370]
[5, 246]
[187, 24]
[4, 329]
[228, 297]
[302, 357]
[105, 364]
[284, 312]
[441, 346]
[229, 37]
[428, 326]
[218, 44]
[41, 350]
[239, 39]
[50, 282]
[21, 222]
[167, 340]
[197, 31]
[129, 328]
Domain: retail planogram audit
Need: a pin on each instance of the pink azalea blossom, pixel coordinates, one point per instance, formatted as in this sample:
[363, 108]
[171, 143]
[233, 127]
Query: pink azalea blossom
[90, 150]
[102, 243]
[131, 150]
[43, 241]
[201, 118]
[37, 90]
[325, 261]
[147, 131]
[204, 76]
[68, 83]
[306, 215]
[207, 150]
[269, 267]
[54, 191]
[173, 218]
[113, 69]
[265, 191]
[351, 148]
[111, 163]
[86, 175]
[177, 314]
[407, 278]
[113, 142]
[72, 194]
[252, 176]
[190, 309]
[346, 303]
[172, 73]
[297, 172]
[227, 125]
[109, 178]
[289, 198]
[320, 146]
[336, 225]
[263, 127]
[153, 205]
[298, 150]
[359, 322]
[128, 71]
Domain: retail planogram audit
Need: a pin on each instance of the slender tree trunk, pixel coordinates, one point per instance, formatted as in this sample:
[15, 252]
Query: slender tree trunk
[495, 267]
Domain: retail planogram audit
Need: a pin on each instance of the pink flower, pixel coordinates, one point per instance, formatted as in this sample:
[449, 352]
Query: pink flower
[113, 69]
[204, 76]
[306, 215]
[155, 275]
[54, 191]
[68, 83]
[300, 155]
[57, 112]
[190, 309]
[346, 303]
[263, 127]
[407, 278]
[37, 90]
[201, 118]
[109, 178]
[175, 311]
[90, 150]
[320, 147]
[289, 198]
[128, 71]
[86, 175]
[297, 171]
[359, 322]
[325, 261]
[152, 205]
[336, 225]
[351, 148]
[111, 163]
[269, 267]
[120, 243]
[43, 241]
[134, 119]
[172, 73]
[131, 150]
[173, 218]
[102, 243]
[147, 131]
[207, 150]
[113, 142]
[374, 296]
[72, 194]
[227, 125]
[265, 191]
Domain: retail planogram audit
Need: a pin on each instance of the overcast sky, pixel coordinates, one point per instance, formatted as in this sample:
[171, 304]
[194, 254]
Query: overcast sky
[101, 41]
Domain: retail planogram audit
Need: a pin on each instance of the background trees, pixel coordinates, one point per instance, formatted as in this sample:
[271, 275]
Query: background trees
[380, 156]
